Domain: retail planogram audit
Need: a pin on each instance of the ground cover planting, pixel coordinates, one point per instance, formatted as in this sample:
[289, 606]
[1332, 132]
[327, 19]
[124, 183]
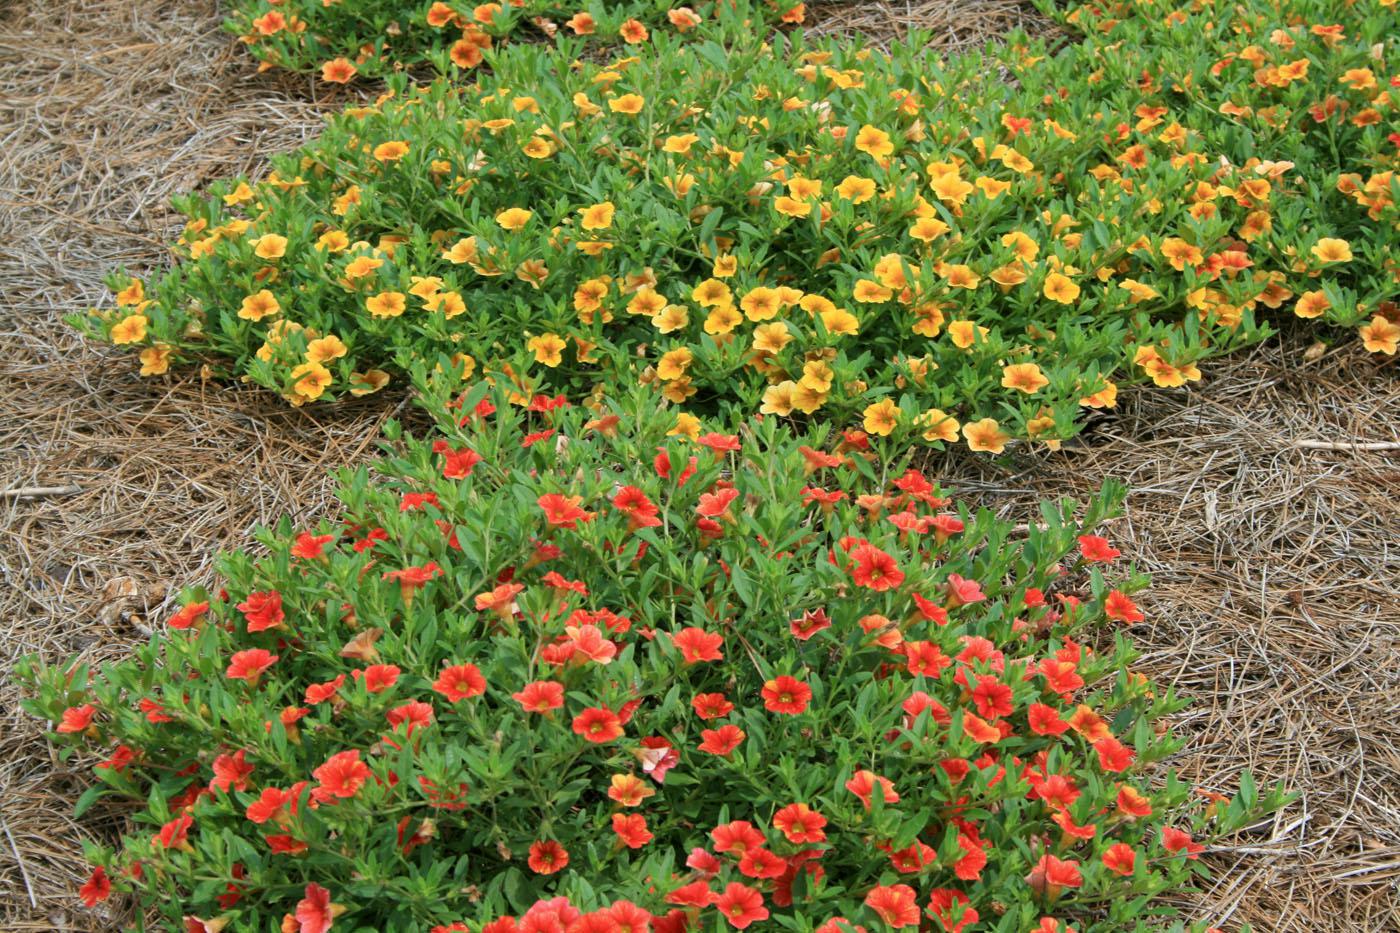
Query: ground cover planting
[812, 232]
[555, 669]
[661, 616]
[342, 40]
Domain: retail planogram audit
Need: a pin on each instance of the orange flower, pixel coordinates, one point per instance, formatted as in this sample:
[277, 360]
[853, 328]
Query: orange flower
[338, 70]
[985, 435]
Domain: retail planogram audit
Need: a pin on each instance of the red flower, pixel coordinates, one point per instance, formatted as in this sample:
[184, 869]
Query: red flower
[631, 829]
[695, 894]
[993, 698]
[974, 858]
[460, 682]
[812, 622]
[598, 724]
[736, 836]
[1051, 875]
[416, 713]
[641, 512]
[863, 784]
[249, 665]
[698, 645]
[741, 905]
[1119, 607]
[1045, 720]
[758, 862]
[874, 569]
[563, 511]
[1119, 858]
[1097, 550]
[896, 905]
[1114, 756]
[547, 857]
[231, 772]
[77, 718]
[1175, 840]
[786, 695]
[320, 693]
[716, 504]
[950, 909]
[342, 775]
[97, 888]
[924, 658]
[309, 547]
[711, 705]
[188, 615]
[721, 741]
[315, 911]
[458, 464]
[800, 823]
[540, 696]
[379, 677]
[262, 610]
[962, 591]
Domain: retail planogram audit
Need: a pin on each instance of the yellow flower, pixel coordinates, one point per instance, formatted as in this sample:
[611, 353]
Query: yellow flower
[630, 104]
[391, 151]
[1330, 249]
[332, 241]
[687, 425]
[993, 188]
[1107, 397]
[839, 322]
[927, 229]
[760, 304]
[711, 293]
[671, 318]
[367, 383]
[674, 363]
[133, 294]
[856, 189]
[130, 329]
[449, 303]
[1311, 304]
[597, 217]
[722, 320]
[951, 189]
[647, 302]
[324, 349]
[804, 189]
[258, 306]
[938, 425]
[538, 148]
[548, 349]
[871, 292]
[961, 276]
[1380, 336]
[361, 267]
[791, 207]
[386, 304]
[985, 435]
[1023, 377]
[874, 142]
[1060, 288]
[964, 333]
[1023, 246]
[309, 381]
[680, 145]
[238, 195]
[513, 218]
[881, 417]
[779, 399]
[155, 360]
[771, 338]
[270, 246]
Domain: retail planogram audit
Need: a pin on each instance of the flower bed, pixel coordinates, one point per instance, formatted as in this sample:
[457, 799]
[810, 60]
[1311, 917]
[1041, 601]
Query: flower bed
[815, 232]
[343, 39]
[553, 664]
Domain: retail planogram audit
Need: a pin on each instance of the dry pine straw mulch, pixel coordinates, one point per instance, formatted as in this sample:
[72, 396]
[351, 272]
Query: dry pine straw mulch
[1275, 566]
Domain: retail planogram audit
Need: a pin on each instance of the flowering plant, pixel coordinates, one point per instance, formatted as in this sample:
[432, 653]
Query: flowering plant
[553, 669]
[805, 231]
[341, 39]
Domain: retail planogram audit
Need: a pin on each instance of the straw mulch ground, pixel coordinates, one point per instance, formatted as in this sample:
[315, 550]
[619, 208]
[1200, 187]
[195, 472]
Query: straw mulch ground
[1275, 565]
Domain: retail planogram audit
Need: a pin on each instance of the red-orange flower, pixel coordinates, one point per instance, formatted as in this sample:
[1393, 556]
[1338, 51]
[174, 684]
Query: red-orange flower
[896, 904]
[547, 857]
[249, 665]
[786, 695]
[460, 682]
[341, 776]
[598, 724]
[741, 905]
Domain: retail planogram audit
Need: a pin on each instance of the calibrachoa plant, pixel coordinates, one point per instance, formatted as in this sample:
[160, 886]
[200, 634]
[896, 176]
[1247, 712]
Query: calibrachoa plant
[342, 39]
[815, 231]
[556, 670]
